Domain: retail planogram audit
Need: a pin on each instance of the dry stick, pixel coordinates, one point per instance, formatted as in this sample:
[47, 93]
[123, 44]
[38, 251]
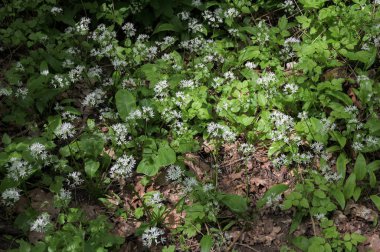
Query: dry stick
[247, 246]
[235, 240]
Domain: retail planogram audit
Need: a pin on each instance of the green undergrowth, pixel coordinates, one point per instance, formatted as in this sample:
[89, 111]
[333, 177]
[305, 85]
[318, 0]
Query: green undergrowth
[100, 97]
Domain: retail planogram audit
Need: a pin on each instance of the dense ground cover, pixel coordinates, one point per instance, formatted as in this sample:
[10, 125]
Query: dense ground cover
[162, 125]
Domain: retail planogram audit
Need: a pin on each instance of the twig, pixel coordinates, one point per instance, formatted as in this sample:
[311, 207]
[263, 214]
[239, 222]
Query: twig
[247, 246]
[235, 240]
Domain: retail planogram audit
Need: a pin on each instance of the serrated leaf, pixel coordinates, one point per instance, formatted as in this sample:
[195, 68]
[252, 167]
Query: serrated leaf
[360, 167]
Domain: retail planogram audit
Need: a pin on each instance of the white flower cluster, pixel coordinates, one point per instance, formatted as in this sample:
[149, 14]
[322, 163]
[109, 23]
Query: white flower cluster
[231, 13]
[60, 81]
[196, 45]
[18, 169]
[94, 98]
[63, 197]
[213, 18]
[155, 200]
[38, 151]
[10, 196]
[5, 91]
[82, 26]
[273, 200]
[121, 133]
[220, 131]
[191, 84]
[290, 88]
[22, 92]
[102, 35]
[56, 10]
[246, 149]
[174, 173]
[267, 79]
[41, 223]
[129, 29]
[145, 113]
[74, 179]
[189, 184]
[151, 235]
[75, 74]
[289, 6]
[65, 130]
[250, 65]
[161, 89]
[123, 167]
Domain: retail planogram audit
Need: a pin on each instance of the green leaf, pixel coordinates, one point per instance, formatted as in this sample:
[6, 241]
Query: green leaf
[301, 242]
[235, 203]
[339, 196]
[272, 192]
[165, 155]
[357, 193]
[125, 103]
[366, 57]
[376, 200]
[304, 21]
[248, 53]
[90, 167]
[372, 179]
[170, 248]
[341, 163]
[296, 221]
[206, 243]
[165, 27]
[349, 186]
[360, 168]
[6, 139]
[275, 147]
[148, 167]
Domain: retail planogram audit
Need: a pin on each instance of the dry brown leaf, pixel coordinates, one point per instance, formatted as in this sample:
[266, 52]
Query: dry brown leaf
[195, 163]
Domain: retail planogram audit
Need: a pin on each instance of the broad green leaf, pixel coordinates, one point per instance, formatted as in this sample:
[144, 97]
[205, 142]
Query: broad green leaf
[341, 164]
[125, 103]
[304, 21]
[349, 186]
[148, 167]
[360, 168]
[275, 147]
[235, 203]
[373, 166]
[90, 167]
[339, 196]
[248, 53]
[206, 243]
[301, 242]
[272, 192]
[357, 193]
[165, 155]
[376, 200]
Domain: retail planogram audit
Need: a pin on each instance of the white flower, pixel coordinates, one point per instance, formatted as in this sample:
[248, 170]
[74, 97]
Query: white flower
[10, 196]
[121, 132]
[319, 216]
[250, 65]
[82, 26]
[65, 131]
[74, 179]
[40, 224]
[174, 173]
[196, 3]
[56, 10]
[188, 84]
[18, 169]
[60, 81]
[184, 15]
[160, 89]
[189, 184]
[303, 115]
[266, 79]
[317, 147]
[151, 235]
[129, 29]
[155, 200]
[221, 131]
[290, 88]
[246, 149]
[38, 151]
[45, 72]
[63, 197]
[123, 167]
[231, 13]
[94, 98]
